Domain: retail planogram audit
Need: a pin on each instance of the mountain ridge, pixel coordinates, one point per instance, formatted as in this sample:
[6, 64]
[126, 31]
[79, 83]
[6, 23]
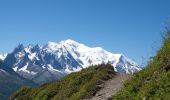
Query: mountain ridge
[57, 59]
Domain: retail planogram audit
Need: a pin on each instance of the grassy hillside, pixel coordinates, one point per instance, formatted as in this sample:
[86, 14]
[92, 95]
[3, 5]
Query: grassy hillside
[152, 83]
[75, 86]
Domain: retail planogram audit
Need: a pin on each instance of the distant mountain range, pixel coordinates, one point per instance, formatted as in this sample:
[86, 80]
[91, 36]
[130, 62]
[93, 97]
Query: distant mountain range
[57, 59]
[10, 81]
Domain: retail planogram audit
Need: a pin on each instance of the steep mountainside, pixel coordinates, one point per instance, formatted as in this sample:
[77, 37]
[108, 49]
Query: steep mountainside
[10, 81]
[55, 60]
[152, 83]
[75, 86]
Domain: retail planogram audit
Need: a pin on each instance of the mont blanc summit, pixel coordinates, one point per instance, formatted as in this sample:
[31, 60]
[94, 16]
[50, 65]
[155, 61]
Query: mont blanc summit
[57, 59]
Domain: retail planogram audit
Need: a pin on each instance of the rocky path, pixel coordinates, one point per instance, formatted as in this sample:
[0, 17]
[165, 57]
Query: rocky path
[110, 87]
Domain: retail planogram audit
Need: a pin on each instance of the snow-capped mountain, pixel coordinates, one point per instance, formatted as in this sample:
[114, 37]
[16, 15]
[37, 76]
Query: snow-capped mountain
[3, 56]
[57, 59]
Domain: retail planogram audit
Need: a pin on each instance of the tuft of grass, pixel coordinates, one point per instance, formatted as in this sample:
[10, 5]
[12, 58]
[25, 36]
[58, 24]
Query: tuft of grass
[75, 86]
[152, 83]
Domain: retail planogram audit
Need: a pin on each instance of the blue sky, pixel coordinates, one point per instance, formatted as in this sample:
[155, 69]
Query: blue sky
[131, 27]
